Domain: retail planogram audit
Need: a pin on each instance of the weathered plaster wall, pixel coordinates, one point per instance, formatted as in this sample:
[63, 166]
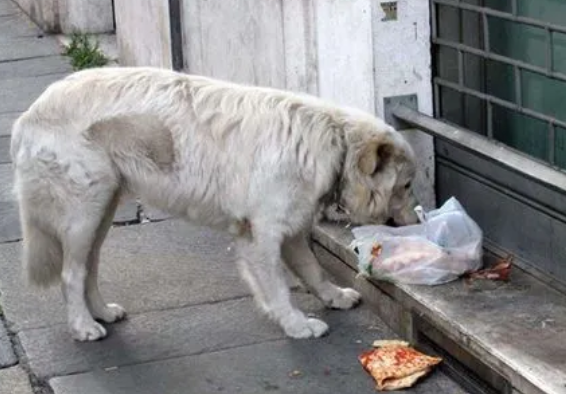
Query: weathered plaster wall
[67, 16]
[143, 32]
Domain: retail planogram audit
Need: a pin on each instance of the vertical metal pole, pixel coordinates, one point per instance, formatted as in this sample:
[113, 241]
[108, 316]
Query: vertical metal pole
[518, 87]
[486, 46]
[551, 143]
[549, 51]
[514, 10]
[434, 33]
[489, 119]
[176, 34]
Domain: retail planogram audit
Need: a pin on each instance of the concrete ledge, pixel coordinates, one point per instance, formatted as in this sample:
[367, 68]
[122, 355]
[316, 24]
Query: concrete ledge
[511, 335]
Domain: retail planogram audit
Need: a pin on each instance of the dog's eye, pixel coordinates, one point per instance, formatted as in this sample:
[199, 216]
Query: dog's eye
[407, 186]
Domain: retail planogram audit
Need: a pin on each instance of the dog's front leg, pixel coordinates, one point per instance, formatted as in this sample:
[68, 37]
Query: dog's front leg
[261, 267]
[300, 258]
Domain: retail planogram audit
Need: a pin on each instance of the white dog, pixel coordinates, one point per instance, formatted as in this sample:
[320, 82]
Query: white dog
[259, 162]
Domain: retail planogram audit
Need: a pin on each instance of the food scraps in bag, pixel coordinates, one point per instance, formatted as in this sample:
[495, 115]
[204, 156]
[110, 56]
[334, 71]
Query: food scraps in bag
[500, 271]
[394, 365]
[443, 247]
[376, 250]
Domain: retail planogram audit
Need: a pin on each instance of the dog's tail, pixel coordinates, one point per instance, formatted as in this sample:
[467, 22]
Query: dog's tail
[42, 254]
[42, 250]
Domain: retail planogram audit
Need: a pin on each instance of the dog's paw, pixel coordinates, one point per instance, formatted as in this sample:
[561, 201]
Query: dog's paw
[110, 313]
[345, 298]
[86, 331]
[306, 328]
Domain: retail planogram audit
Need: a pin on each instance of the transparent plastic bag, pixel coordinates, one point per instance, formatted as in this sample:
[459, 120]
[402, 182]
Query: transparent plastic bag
[445, 245]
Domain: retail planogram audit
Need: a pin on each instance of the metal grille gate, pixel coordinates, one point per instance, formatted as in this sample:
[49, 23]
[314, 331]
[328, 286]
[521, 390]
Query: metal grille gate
[472, 46]
[499, 150]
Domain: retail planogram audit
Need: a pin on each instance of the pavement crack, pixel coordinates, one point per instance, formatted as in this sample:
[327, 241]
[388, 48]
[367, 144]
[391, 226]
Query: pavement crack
[12, 60]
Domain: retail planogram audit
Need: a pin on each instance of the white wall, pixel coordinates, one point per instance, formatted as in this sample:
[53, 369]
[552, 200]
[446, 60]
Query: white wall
[143, 33]
[344, 49]
[43, 12]
[402, 61]
[88, 16]
[362, 59]
[237, 40]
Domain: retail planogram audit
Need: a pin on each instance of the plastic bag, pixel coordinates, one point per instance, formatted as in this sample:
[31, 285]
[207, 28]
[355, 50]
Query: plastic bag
[445, 245]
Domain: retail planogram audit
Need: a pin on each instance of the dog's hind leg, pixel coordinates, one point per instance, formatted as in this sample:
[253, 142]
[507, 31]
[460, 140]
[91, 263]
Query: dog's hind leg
[300, 259]
[78, 240]
[108, 313]
[261, 267]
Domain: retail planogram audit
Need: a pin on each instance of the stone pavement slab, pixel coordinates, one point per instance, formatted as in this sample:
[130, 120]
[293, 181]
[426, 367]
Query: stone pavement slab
[17, 94]
[10, 229]
[149, 336]
[6, 121]
[7, 356]
[154, 214]
[17, 25]
[14, 381]
[9, 216]
[8, 7]
[127, 211]
[153, 266]
[5, 150]
[34, 67]
[211, 328]
[28, 47]
[6, 182]
[326, 365]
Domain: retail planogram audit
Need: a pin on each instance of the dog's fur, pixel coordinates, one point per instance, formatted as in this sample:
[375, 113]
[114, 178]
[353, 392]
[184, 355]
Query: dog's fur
[259, 162]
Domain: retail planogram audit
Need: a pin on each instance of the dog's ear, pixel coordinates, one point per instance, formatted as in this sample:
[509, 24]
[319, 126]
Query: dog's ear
[374, 156]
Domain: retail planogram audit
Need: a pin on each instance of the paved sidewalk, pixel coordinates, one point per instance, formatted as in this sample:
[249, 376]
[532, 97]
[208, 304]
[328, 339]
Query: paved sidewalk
[192, 325]
[29, 62]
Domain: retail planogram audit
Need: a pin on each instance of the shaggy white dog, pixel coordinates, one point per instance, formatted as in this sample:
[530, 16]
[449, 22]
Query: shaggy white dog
[261, 163]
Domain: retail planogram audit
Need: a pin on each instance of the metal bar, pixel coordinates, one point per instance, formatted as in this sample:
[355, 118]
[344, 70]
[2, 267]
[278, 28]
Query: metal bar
[518, 87]
[484, 147]
[514, 10]
[460, 56]
[500, 58]
[489, 120]
[551, 143]
[434, 23]
[503, 15]
[485, 24]
[437, 111]
[549, 51]
[500, 102]
[175, 30]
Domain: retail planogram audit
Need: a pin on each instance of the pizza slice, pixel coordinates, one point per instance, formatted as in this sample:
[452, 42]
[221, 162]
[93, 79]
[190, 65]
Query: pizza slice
[394, 365]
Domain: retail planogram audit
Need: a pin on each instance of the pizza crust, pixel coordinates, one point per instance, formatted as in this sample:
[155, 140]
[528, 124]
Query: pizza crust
[394, 365]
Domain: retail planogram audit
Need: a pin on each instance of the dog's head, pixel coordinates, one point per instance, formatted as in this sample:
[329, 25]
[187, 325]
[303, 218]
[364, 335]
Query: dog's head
[377, 176]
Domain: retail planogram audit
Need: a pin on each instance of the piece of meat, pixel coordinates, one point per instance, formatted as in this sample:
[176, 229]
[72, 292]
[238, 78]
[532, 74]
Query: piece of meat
[500, 271]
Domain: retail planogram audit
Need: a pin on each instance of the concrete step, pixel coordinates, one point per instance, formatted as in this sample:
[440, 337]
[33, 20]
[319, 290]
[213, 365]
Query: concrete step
[507, 337]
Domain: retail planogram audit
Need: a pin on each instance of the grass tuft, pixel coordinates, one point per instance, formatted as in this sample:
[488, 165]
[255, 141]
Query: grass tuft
[84, 53]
